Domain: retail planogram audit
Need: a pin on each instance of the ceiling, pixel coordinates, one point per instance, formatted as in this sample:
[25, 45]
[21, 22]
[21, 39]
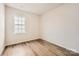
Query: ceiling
[36, 8]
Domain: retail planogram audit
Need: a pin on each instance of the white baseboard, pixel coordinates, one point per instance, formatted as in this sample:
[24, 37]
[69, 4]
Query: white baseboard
[74, 50]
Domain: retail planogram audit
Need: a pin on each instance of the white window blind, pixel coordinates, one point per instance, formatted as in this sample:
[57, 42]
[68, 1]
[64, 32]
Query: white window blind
[19, 24]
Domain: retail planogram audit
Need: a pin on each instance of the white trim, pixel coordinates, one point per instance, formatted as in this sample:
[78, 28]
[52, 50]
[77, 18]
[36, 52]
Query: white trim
[74, 50]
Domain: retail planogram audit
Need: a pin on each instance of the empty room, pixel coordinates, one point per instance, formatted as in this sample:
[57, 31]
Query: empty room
[39, 29]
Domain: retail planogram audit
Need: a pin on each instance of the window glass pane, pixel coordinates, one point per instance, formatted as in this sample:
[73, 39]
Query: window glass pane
[19, 27]
[20, 22]
[23, 20]
[23, 27]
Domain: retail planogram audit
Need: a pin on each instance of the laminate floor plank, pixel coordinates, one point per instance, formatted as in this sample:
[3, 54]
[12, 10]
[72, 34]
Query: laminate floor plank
[37, 48]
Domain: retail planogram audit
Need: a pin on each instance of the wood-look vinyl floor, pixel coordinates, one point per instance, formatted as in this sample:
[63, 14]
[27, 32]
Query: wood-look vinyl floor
[37, 48]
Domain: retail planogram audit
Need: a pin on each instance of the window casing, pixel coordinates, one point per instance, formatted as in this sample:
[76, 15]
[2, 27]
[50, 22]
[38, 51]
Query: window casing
[19, 24]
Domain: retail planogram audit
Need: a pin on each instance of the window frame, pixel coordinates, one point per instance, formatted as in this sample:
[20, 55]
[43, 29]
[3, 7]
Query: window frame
[19, 24]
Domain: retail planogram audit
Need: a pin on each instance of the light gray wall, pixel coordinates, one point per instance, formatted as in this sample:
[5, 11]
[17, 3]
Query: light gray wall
[32, 26]
[2, 27]
[61, 26]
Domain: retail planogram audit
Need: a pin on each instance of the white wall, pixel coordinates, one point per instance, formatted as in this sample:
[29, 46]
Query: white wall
[2, 27]
[32, 26]
[61, 26]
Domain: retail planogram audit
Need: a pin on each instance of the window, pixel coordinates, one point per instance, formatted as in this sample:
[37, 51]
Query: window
[19, 24]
